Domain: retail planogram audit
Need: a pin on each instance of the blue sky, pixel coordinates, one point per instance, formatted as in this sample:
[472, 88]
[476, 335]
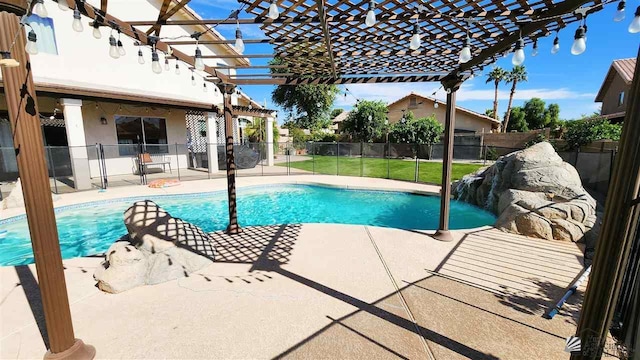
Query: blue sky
[568, 80]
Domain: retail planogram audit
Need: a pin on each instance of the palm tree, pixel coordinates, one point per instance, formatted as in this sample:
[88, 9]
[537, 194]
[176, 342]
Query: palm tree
[497, 76]
[516, 75]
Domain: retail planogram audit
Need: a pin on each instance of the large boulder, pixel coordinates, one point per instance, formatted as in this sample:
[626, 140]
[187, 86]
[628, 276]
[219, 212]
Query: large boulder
[534, 193]
[158, 248]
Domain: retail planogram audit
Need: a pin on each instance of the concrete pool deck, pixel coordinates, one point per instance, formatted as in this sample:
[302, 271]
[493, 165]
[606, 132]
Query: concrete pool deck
[318, 291]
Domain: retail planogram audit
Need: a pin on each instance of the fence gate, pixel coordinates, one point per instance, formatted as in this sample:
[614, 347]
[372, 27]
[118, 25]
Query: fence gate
[196, 139]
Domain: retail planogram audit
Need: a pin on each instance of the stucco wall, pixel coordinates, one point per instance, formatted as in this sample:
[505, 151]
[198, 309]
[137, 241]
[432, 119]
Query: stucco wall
[610, 101]
[464, 121]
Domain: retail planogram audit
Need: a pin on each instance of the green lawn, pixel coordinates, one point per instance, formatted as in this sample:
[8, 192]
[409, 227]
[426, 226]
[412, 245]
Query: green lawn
[430, 172]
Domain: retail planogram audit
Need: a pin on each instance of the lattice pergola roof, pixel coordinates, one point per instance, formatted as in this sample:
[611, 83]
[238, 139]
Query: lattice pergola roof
[327, 41]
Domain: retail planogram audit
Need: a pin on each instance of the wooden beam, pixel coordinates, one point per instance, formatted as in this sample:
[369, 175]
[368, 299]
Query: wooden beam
[549, 15]
[348, 80]
[236, 56]
[617, 234]
[327, 35]
[251, 67]
[234, 227]
[22, 107]
[132, 32]
[169, 14]
[157, 26]
[103, 5]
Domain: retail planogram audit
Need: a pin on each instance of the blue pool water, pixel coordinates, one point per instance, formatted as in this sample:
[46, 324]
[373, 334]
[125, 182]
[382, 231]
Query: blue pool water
[89, 229]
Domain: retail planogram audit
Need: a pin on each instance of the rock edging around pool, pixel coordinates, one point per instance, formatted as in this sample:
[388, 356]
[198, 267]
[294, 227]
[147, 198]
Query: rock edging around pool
[159, 248]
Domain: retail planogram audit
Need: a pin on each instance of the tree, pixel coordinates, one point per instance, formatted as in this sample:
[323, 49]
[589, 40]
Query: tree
[589, 129]
[516, 75]
[552, 115]
[497, 75]
[489, 113]
[308, 103]
[367, 121]
[535, 113]
[257, 133]
[336, 112]
[518, 120]
[426, 130]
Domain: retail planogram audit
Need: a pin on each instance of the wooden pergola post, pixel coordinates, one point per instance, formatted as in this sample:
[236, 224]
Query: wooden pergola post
[443, 233]
[227, 90]
[25, 124]
[619, 226]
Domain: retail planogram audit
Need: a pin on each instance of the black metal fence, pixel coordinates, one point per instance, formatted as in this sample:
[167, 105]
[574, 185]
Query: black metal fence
[110, 165]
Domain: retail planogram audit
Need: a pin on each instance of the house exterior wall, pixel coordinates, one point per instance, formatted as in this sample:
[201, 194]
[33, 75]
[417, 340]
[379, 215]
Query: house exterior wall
[83, 61]
[464, 121]
[610, 101]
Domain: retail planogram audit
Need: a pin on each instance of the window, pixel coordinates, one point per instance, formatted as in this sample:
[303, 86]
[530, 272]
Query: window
[413, 102]
[621, 98]
[43, 27]
[149, 132]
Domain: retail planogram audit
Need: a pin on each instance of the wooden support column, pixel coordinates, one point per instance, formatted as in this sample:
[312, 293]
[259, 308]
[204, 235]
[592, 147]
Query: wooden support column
[25, 124]
[443, 233]
[227, 90]
[619, 225]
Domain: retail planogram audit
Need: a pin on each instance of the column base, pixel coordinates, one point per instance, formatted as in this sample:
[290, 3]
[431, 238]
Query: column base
[443, 235]
[79, 351]
[233, 229]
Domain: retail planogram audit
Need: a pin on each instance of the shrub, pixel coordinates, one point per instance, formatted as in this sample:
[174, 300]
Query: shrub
[587, 130]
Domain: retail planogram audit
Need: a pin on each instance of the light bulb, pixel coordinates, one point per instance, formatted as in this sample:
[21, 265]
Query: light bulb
[435, 104]
[274, 13]
[113, 48]
[31, 46]
[7, 61]
[518, 55]
[155, 63]
[471, 76]
[204, 88]
[140, 57]
[39, 9]
[371, 15]
[193, 80]
[239, 43]
[166, 64]
[556, 45]
[177, 68]
[535, 48]
[121, 49]
[465, 53]
[579, 42]
[634, 27]
[416, 40]
[77, 21]
[63, 5]
[96, 31]
[620, 13]
[199, 64]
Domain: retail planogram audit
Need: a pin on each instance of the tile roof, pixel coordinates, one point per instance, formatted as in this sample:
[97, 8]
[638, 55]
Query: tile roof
[458, 108]
[624, 68]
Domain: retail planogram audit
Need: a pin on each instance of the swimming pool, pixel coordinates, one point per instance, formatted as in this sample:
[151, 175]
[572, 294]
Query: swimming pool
[89, 229]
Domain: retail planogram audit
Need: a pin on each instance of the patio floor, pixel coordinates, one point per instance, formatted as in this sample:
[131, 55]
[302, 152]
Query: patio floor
[322, 291]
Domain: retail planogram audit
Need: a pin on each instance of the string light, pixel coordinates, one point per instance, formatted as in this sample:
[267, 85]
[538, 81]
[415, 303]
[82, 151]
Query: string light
[370, 20]
[31, 47]
[121, 49]
[465, 53]
[634, 27]
[535, 48]
[518, 55]
[274, 13]
[155, 62]
[166, 63]
[239, 45]
[556, 45]
[39, 9]
[193, 79]
[199, 63]
[416, 39]
[579, 42]
[204, 88]
[620, 12]
[113, 47]
[7, 61]
[96, 30]
[177, 67]
[140, 57]
[76, 25]
[63, 5]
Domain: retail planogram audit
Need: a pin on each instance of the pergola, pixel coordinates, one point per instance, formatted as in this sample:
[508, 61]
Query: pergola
[325, 42]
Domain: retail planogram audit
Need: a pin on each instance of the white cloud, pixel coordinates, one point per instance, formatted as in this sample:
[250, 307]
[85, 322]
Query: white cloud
[392, 92]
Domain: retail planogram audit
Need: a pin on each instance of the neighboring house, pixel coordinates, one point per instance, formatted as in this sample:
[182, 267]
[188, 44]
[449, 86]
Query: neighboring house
[467, 121]
[336, 123]
[85, 97]
[615, 89]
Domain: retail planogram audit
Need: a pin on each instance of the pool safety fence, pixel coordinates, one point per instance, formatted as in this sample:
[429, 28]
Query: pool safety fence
[100, 166]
